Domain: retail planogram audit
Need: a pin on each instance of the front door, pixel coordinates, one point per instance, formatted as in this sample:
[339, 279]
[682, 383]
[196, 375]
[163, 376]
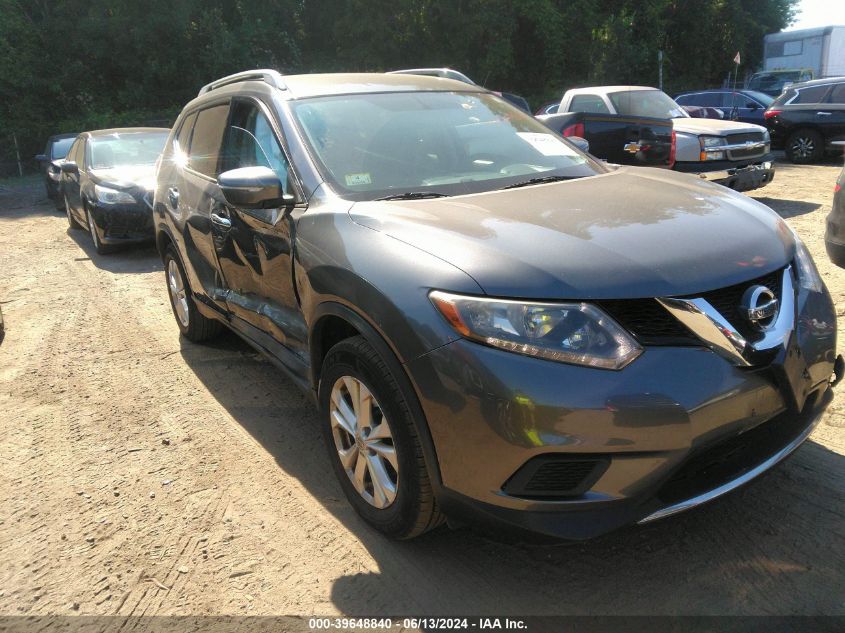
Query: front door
[254, 246]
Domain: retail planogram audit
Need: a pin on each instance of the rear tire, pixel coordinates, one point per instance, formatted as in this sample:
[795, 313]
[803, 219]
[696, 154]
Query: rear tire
[192, 325]
[372, 442]
[804, 146]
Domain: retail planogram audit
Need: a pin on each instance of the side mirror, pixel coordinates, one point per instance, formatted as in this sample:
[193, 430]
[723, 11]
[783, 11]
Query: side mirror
[254, 188]
[41, 158]
[579, 142]
[752, 105]
[69, 167]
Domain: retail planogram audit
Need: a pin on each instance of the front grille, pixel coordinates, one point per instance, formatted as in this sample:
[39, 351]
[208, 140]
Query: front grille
[733, 457]
[555, 476]
[649, 322]
[739, 154]
[726, 301]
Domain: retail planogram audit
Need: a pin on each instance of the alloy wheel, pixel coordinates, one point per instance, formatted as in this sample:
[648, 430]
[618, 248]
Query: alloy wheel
[364, 442]
[803, 147]
[178, 296]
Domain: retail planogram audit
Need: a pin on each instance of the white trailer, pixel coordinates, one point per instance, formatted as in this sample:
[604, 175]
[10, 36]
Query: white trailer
[822, 50]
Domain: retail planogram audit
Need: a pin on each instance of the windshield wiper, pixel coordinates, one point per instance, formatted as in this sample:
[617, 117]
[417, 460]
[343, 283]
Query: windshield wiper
[540, 181]
[414, 195]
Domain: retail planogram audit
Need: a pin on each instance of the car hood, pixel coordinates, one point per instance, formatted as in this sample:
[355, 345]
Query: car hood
[633, 232]
[715, 127]
[127, 176]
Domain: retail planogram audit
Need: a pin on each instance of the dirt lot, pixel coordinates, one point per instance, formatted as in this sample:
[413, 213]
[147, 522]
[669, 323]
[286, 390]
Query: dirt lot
[142, 474]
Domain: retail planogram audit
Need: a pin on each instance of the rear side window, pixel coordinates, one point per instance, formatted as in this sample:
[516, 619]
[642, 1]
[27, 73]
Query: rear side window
[207, 139]
[706, 99]
[588, 103]
[837, 95]
[183, 138]
[813, 94]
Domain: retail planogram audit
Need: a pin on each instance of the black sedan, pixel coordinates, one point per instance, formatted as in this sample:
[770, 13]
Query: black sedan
[738, 105]
[107, 182]
[808, 119]
[50, 162]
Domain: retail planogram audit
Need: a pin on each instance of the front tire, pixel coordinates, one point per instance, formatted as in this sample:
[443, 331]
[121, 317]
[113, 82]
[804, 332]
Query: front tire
[372, 442]
[804, 146]
[193, 326]
[71, 221]
[101, 248]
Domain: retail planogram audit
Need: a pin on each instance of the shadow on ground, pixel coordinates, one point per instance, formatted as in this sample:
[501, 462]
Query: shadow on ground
[789, 208]
[775, 547]
[132, 258]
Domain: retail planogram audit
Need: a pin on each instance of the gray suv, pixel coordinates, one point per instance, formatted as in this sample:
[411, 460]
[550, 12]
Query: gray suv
[494, 325]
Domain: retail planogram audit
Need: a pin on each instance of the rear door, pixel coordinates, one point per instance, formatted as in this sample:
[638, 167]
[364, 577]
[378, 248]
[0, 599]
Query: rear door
[831, 115]
[254, 247]
[195, 193]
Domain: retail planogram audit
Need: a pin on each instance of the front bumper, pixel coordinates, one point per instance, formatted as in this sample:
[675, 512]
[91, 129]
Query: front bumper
[491, 413]
[741, 178]
[123, 223]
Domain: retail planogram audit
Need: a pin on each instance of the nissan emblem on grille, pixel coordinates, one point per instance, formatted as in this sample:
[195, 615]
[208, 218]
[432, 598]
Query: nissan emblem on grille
[760, 306]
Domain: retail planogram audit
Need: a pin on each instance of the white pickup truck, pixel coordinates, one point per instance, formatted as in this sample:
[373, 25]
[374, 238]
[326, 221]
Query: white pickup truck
[644, 126]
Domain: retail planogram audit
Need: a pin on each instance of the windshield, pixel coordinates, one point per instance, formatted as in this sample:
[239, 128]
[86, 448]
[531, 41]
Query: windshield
[123, 149]
[60, 147]
[650, 103]
[375, 145]
[764, 99]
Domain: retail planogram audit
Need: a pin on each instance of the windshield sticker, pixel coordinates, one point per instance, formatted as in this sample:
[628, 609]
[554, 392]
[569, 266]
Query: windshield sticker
[356, 180]
[546, 144]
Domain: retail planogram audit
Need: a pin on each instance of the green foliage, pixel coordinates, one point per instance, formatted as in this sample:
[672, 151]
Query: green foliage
[84, 64]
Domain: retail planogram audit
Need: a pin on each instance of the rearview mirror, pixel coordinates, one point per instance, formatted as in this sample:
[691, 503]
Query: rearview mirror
[579, 142]
[254, 188]
[69, 167]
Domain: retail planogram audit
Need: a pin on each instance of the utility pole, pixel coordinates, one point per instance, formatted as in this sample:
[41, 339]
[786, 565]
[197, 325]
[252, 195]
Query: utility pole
[660, 69]
[18, 154]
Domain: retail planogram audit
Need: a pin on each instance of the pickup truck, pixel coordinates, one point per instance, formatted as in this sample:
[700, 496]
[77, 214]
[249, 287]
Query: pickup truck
[637, 125]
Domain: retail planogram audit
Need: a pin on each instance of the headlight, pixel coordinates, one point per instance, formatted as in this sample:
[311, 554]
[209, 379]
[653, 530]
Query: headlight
[112, 196]
[708, 147]
[577, 333]
[808, 274]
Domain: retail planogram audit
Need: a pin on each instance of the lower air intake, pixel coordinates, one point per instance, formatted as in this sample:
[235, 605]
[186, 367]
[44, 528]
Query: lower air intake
[550, 476]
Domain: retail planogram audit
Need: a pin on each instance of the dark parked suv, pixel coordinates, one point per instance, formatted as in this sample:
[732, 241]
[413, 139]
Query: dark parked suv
[494, 325]
[50, 162]
[808, 119]
[107, 183]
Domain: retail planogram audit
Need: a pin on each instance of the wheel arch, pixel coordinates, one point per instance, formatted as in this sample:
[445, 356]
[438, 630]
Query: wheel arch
[335, 322]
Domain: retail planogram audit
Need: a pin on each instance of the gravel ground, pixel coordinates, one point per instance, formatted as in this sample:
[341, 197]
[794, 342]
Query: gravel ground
[146, 475]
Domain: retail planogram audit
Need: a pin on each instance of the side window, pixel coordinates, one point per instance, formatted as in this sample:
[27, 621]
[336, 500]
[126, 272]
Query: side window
[207, 139]
[588, 103]
[183, 139]
[837, 95]
[813, 94]
[684, 100]
[250, 142]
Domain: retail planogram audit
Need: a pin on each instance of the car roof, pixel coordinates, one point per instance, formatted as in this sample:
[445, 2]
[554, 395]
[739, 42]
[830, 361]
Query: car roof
[816, 82]
[125, 130]
[608, 89]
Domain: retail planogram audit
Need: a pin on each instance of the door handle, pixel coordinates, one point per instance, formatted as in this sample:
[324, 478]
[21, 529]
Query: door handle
[173, 198]
[221, 221]
[823, 113]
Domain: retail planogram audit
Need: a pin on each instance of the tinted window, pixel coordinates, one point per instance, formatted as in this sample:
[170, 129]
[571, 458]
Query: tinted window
[250, 142]
[183, 138]
[60, 148]
[837, 95]
[813, 94]
[207, 139]
[761, 98]
[784, 98]
[701, 99]
[588, 103]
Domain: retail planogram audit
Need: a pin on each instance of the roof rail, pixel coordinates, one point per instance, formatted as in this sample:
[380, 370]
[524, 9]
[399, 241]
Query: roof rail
[267, 75]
